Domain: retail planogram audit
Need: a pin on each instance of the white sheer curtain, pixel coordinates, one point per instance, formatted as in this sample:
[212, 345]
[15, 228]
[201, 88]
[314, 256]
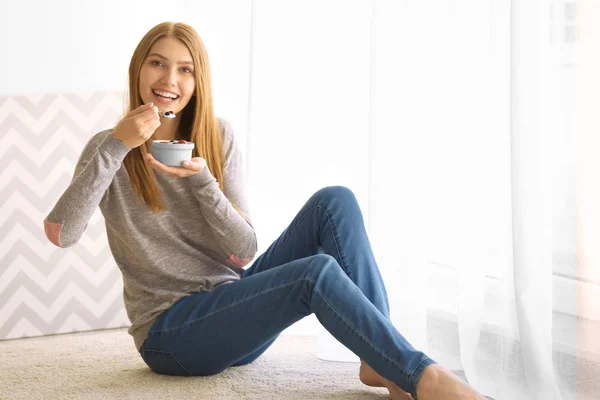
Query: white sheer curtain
[452, 121]
[485, 212]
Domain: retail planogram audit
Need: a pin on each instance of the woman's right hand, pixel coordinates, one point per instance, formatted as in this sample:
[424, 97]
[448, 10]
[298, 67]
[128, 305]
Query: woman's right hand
[137, 126]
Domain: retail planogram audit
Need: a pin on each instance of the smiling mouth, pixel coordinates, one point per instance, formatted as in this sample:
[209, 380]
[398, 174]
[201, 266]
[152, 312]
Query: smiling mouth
[165, 96]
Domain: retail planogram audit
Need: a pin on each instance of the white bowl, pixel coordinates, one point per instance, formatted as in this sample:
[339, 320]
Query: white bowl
[172, 154]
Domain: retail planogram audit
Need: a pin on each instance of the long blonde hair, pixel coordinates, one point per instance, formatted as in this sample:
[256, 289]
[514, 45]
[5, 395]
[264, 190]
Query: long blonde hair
[198, 122]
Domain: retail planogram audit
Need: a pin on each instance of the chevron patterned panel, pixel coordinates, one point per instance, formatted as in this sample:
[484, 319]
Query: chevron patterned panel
[44, 289]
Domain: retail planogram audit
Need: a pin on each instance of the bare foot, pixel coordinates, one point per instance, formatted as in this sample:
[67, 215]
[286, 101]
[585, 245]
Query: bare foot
[439, 383]
[369, 377]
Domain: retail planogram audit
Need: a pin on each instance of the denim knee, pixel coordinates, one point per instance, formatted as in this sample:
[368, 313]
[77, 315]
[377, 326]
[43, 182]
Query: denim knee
[323, 265]
[336, 192]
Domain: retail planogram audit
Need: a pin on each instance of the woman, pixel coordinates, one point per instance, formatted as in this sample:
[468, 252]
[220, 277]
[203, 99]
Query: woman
[181, 235]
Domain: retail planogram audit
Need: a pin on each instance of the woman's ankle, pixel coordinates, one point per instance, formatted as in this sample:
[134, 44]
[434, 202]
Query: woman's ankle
[437, 382]
[368, 376]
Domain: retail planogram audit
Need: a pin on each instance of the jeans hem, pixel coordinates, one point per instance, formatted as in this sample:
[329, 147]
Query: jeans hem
[416, 375]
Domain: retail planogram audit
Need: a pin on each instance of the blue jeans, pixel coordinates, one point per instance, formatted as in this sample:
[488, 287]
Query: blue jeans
[322, 263]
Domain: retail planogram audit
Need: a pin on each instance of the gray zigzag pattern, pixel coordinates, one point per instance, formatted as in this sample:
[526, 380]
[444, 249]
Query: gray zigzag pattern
[15, 154]
[84, 107]
[73, 105]
[62, 119]
[73, 306]
[20, 248]
[87, 106]
[72, 275]
[27, 104]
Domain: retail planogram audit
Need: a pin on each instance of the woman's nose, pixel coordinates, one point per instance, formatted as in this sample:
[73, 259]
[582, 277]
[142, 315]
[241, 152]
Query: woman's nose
[170, 77]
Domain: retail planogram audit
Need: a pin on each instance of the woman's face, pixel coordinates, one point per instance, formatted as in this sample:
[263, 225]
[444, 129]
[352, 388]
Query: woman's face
[167, 75]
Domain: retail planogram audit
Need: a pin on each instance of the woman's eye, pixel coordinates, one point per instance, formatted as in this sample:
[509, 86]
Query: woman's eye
[159, 64]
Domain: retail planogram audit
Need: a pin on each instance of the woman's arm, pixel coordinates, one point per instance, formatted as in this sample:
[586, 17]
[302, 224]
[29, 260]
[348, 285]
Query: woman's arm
[100, 159]
[234, 233]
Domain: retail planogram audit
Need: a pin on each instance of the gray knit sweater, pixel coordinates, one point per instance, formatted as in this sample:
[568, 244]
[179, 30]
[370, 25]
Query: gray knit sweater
[199, 243]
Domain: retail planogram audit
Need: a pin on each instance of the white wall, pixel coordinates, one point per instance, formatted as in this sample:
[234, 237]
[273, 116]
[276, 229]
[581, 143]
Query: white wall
[310, 105]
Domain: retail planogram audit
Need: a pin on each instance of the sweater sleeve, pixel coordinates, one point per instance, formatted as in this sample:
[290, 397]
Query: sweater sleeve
[233, 232]
[100, 159]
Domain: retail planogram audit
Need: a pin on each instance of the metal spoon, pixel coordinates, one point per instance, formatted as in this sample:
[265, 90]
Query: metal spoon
[167, 114]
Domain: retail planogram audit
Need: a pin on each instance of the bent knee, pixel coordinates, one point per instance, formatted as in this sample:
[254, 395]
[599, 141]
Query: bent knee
[335, 192]
[323, 264]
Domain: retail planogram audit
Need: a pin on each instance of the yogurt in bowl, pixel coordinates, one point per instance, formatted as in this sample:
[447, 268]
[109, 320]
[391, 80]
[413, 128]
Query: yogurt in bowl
[172, 152]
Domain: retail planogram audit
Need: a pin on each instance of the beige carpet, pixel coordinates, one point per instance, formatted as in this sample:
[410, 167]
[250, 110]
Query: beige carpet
[105, 365]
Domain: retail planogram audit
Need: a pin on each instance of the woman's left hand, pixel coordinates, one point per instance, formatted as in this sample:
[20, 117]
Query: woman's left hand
[189, 168]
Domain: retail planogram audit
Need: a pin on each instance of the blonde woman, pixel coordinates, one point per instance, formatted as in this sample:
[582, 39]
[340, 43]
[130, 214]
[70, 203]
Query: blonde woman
[182, 235]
